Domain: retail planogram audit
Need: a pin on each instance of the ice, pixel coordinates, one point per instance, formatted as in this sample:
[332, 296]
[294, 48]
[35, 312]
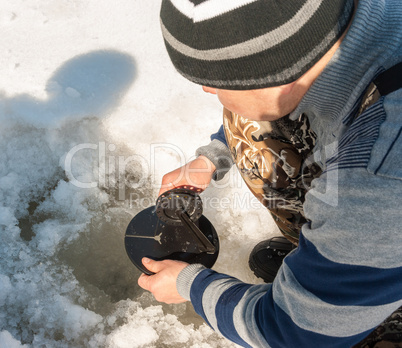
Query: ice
[92, 115]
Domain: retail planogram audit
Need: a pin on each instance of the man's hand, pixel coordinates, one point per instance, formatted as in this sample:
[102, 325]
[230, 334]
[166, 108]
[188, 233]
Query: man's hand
[197, 173]
[163, 283]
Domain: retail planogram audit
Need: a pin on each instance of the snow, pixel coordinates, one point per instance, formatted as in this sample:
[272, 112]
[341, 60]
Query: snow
[92, 115]
[8, 341]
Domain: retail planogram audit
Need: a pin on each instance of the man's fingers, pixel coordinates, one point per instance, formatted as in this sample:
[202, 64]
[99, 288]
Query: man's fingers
[166, 187]
[152, 265]
[197, 173]
[143, 281]
[163, 283]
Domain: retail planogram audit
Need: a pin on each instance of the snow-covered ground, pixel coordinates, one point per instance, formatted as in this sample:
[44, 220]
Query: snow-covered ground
[92, 114]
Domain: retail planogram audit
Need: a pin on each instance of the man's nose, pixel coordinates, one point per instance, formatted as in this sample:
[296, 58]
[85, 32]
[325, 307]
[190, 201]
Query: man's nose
[209, 89]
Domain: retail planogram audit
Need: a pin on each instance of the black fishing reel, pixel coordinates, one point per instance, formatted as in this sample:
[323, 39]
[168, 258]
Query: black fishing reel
[173, 229]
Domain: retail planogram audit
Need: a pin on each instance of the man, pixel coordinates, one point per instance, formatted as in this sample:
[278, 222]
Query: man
[280, 67]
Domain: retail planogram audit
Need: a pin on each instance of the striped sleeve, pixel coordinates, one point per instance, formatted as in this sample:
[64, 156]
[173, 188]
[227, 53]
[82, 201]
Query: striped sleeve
[225, 303]
[344, 279]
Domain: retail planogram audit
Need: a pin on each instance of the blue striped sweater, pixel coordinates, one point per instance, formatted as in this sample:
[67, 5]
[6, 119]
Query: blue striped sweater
[345, 277]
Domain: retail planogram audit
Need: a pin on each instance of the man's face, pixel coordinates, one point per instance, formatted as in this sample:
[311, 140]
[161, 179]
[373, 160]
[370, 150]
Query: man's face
[272, 103]
[266, 104]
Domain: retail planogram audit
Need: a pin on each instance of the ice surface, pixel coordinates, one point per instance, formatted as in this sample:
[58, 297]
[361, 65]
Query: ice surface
[92, 115]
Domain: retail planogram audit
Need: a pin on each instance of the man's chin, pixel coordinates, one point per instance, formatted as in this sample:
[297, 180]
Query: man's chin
[263, 117]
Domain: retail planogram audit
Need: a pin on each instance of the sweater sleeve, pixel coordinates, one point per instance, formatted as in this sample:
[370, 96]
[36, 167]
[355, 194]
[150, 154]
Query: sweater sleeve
[342, 281]
[218, 153]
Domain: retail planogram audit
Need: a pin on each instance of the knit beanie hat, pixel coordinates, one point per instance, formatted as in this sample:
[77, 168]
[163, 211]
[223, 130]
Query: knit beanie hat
[250, 44]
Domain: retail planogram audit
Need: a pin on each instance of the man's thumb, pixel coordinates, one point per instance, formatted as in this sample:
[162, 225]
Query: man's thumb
[151, 265]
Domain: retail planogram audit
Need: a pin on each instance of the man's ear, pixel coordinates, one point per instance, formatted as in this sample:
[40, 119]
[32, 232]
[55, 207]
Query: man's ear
[209, 90]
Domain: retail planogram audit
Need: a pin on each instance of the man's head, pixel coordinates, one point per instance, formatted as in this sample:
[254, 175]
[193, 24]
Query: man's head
[271, 103]
[249, 45]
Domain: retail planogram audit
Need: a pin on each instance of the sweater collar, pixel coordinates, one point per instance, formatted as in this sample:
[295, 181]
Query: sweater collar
[365, 48]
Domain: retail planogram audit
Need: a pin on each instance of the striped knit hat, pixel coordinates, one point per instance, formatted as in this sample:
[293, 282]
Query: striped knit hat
[250, 44]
